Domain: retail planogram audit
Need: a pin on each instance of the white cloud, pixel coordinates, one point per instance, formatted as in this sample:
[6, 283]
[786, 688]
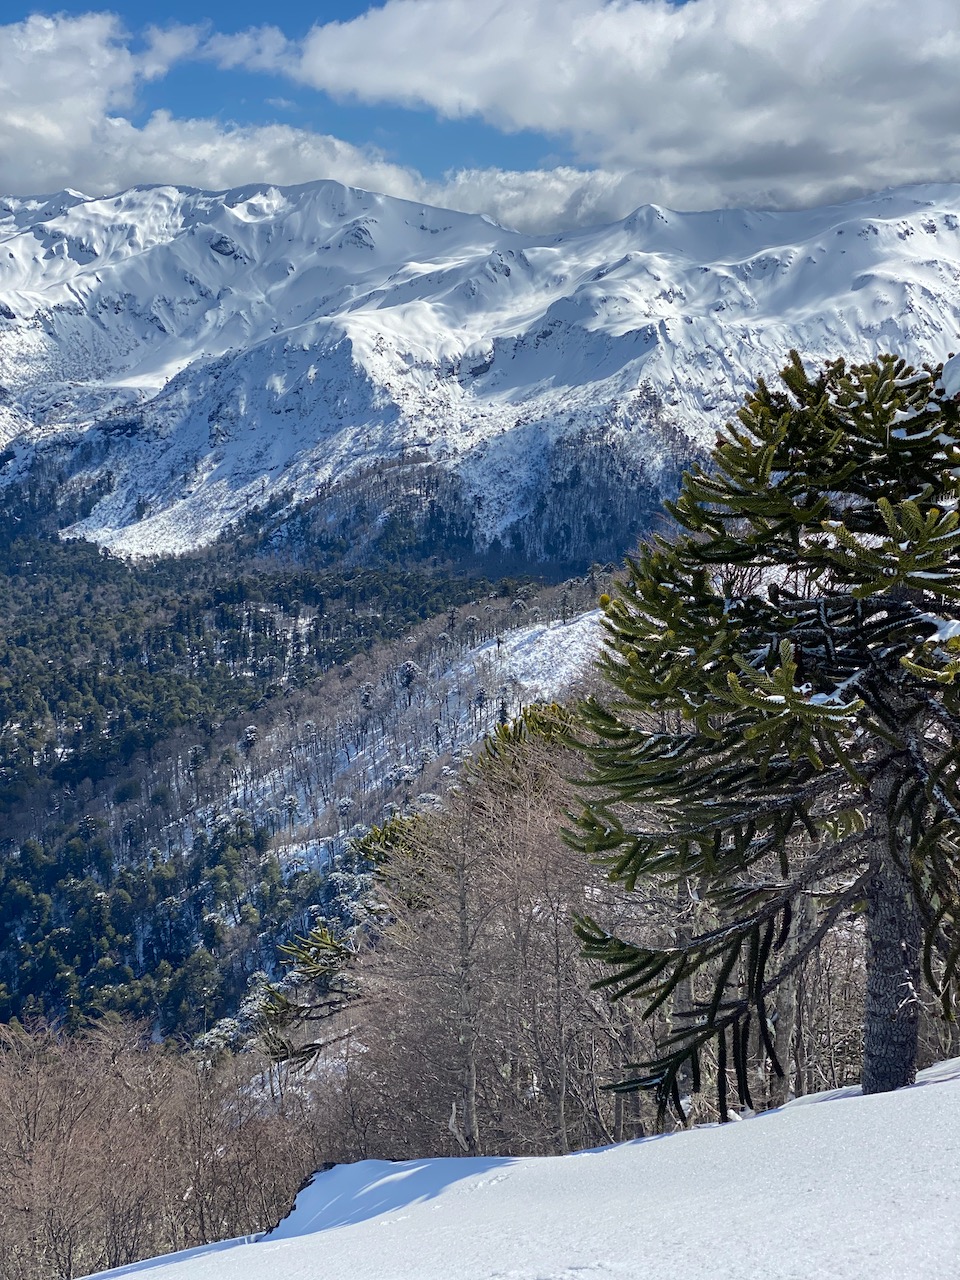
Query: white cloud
[66, 84]
[542, 199]
[716, 101]
[260, 49]
[58, 81]
[167, 46]
[203, 153]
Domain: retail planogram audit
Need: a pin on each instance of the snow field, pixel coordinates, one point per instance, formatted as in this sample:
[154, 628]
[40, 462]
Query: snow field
[214, 349]
[834, 1187]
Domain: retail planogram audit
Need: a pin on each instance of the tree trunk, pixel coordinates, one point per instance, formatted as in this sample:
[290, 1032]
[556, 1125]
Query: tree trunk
[892, 1005]
[687, 923]
[466, 991]
[780, 1088]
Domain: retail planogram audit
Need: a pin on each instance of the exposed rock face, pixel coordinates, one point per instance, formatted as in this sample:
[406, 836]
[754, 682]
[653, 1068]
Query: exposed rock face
[202, 355]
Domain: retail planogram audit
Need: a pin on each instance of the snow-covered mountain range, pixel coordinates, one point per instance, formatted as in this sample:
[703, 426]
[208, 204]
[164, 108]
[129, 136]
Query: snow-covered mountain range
[199, 354]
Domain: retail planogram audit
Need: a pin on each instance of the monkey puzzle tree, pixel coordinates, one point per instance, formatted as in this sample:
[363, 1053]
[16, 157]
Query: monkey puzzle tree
[784, 717]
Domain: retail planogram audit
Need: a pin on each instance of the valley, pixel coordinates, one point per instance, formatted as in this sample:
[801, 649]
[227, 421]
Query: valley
[310, 499]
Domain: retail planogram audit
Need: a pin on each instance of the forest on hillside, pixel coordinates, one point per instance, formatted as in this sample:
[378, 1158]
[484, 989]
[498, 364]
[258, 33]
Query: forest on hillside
[185, 744]
[468, 1023]
[389, 907]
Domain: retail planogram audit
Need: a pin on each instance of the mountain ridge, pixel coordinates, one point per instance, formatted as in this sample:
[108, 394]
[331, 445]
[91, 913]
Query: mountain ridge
[201, 355]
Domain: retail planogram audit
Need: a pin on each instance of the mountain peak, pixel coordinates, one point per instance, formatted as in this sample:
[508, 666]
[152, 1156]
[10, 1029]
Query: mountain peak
[212, 350]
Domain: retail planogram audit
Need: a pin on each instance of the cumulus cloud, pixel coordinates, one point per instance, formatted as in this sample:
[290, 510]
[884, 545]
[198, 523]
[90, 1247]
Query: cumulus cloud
[58, 81]
[542, 199]
[166, 46]
[714, 101]
[260, 49]
[203, 153]
[66, 89]
[67, 86]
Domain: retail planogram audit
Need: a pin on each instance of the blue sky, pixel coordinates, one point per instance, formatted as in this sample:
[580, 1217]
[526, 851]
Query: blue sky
[430, 143]
[539, 112]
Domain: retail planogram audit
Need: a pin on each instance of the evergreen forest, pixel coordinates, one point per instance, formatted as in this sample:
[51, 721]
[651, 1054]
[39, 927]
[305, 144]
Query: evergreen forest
[294, 871]
[133, 697]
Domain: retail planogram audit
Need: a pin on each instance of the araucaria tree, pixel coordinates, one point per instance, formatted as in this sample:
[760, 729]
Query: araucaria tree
[784, 721]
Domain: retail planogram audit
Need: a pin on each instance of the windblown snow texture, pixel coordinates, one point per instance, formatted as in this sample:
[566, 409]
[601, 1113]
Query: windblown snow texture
[201, 354]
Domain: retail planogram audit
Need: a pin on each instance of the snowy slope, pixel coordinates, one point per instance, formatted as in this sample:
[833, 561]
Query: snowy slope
[837, 1186]
[210, 351]
[539, 663]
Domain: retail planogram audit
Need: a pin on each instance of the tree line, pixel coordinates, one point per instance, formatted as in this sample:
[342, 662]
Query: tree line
[163, 889]
[747, 831]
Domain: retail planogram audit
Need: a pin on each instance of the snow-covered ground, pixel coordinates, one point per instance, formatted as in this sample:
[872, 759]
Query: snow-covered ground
[213, 350]
[539, 663]
[836, 1187]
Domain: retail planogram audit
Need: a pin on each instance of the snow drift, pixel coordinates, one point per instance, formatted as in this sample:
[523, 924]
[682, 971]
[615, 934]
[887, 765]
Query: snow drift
[836, 1185]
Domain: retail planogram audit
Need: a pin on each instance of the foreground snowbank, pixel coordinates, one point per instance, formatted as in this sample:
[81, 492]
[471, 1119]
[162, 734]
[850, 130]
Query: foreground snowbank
[837, 1186]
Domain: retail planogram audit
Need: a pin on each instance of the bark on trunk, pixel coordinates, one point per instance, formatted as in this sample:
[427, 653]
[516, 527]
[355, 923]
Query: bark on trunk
[892, 1006]
[468, 1017]
[780, 1088]
[684, 996]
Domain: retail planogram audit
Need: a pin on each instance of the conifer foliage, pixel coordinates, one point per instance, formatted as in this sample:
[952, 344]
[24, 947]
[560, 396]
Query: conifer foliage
[783, 727]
